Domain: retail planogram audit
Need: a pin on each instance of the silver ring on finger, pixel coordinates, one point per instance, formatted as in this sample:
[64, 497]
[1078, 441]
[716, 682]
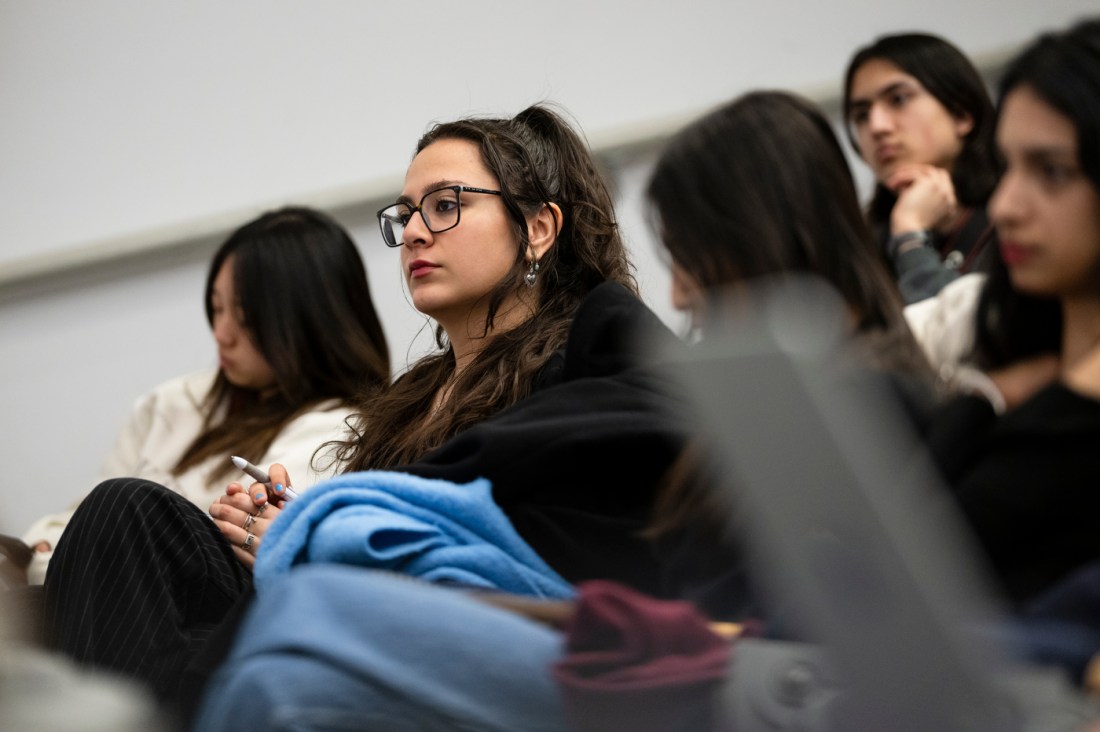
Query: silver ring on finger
[249, 540]
[249, 520]
[261, 509]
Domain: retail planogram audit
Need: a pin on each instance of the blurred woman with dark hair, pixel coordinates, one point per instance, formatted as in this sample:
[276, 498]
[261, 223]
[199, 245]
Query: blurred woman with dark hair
[298, 340]
[1022, 459]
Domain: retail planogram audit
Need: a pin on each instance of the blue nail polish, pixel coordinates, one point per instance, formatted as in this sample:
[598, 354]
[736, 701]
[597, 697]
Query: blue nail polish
[279, 488]
[259, 496]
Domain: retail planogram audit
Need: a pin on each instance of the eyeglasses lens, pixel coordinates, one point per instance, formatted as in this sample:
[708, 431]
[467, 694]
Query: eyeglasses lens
[439, 208]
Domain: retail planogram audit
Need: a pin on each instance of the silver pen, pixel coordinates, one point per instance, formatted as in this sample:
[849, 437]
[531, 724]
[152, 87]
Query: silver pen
[259, 475]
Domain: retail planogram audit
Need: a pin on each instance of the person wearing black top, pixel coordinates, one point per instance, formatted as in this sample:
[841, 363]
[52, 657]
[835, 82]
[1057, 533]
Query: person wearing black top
[1024, 477]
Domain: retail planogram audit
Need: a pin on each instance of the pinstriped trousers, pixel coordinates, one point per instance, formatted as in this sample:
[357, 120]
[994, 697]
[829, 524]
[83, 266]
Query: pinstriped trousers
[139, 580]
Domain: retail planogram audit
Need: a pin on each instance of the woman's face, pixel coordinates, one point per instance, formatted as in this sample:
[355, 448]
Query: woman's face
[896, 121]
[450, 273]
[1045, 209]
[238, 358]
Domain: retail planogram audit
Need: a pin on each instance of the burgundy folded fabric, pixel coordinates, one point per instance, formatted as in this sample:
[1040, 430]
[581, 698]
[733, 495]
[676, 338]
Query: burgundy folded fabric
[638, 663]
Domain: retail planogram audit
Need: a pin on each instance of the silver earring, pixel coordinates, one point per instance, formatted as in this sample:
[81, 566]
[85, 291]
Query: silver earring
[532, 274]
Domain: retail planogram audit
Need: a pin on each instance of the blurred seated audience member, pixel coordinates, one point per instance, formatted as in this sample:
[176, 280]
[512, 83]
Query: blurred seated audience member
[921, 118]
[297, 336]
[1020, 453]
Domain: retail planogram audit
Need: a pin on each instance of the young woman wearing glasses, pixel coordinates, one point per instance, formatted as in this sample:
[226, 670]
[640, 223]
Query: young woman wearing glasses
[507, 238]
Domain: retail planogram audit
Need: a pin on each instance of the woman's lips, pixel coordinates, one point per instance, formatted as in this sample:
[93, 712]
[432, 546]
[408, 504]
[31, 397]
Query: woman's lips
[1014, 254]
[887, 153]
[420, 268]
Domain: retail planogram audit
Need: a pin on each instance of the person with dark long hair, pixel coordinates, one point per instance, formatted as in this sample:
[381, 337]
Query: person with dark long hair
[298, 339]
[1022, 460]
[728, 157]
[714, 248]
[920, 116]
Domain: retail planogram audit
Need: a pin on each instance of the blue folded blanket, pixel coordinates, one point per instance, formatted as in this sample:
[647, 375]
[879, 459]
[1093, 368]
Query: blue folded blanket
[433, 529]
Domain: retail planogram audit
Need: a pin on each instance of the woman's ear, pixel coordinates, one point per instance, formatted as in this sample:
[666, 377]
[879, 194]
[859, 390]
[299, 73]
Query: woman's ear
[543, 228]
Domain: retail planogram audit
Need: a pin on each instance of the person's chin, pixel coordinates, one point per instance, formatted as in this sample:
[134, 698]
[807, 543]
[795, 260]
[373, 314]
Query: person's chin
[1029, 282]
[425, 301]
[886, 167]
[883, 173]
[237, 379]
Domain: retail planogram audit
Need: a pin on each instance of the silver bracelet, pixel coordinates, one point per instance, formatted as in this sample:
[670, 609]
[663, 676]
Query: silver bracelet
[903, 242]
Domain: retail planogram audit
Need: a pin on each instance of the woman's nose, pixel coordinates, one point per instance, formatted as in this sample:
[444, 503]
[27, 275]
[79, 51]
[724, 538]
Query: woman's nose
[1003, 204]
[224, 330]
[879, 119]
[416, 231]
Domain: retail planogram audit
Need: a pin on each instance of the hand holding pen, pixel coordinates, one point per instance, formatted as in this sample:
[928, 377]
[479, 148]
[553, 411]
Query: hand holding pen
[243, 514]
[282, 491]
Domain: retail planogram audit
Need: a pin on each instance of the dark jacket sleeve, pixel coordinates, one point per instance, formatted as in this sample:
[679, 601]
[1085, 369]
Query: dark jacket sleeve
[921, 274]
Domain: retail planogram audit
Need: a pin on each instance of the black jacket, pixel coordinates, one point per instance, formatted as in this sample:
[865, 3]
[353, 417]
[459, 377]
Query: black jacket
[575, 465]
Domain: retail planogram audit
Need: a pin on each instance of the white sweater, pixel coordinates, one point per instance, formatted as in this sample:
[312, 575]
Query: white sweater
[162, 425]
[944, 323]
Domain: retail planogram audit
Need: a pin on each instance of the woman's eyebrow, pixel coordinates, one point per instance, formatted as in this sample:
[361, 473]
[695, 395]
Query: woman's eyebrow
[443, 183]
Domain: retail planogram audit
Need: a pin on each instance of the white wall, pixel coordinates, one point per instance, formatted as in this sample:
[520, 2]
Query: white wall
[129, 123]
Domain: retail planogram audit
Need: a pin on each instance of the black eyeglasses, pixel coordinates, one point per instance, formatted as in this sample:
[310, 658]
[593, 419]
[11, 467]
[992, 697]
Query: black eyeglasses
[440, 210]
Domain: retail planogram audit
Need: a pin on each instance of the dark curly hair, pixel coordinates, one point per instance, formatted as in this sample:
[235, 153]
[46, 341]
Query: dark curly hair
[538, 159]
